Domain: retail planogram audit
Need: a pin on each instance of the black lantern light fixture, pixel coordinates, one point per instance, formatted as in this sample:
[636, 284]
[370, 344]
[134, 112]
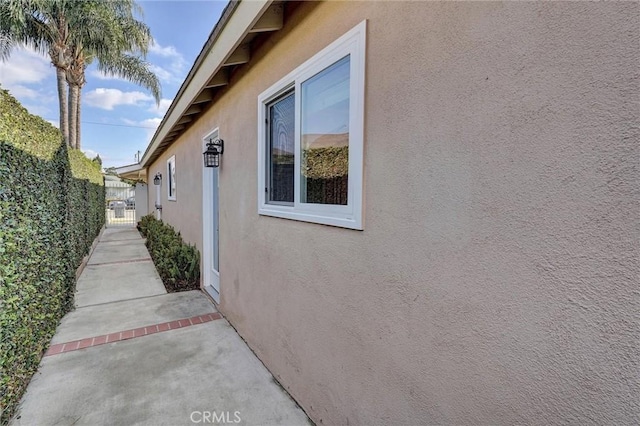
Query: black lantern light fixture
[215, 148]
[157, 179]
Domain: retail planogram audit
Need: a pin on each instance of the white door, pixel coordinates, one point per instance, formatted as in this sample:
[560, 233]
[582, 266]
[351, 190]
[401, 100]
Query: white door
[141, 206]
[210, 228]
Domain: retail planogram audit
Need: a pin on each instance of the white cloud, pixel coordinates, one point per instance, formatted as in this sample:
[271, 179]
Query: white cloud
[166, 51]
[162, 108]
[151, 122]
[40, 109]
[155, 122]
[55, 123]
[24, 66]
[23, 75]
[151, 125]
[175, 70]
[23, 92]
[90, 153]
[163, 74]
[109, 98]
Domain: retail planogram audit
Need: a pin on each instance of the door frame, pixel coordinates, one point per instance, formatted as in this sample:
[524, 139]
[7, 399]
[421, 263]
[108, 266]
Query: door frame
[211, 278]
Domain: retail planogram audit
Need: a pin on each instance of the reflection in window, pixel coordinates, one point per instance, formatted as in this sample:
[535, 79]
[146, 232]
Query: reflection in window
[325, 136]
[281, 149]
[171, 173]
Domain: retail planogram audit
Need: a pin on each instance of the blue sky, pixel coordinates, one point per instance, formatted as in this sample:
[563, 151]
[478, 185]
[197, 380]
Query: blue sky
[119, 118]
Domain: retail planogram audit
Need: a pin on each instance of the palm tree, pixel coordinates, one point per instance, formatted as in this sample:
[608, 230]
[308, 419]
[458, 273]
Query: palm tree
[5, 46]
[44, 25]
[117, 41]
[73, 33]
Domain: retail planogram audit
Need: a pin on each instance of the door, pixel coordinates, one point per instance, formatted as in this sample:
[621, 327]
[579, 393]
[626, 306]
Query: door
[140, 203]
[215, 230]
[211, 228]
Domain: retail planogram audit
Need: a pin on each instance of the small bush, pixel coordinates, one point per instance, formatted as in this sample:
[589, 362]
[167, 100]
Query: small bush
[177, 263]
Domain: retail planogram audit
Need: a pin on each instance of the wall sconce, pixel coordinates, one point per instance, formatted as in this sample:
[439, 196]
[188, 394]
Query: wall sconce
[213, 153]
[157, 179]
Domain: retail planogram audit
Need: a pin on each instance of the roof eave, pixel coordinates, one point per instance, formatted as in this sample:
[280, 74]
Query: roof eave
[236, 21]
[132, 171]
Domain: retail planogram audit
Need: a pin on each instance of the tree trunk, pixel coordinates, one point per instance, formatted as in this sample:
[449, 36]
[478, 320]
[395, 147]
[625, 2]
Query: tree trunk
[73, 115]
[78, 122]
[62, 100]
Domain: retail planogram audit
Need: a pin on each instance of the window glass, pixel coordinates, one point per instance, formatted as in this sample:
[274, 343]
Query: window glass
[281, 149]
[172, 188]
[171, 173]
[325, 136]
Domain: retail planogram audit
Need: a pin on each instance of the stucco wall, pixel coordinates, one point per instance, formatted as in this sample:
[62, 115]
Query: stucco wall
[185, 213]
[496, 280]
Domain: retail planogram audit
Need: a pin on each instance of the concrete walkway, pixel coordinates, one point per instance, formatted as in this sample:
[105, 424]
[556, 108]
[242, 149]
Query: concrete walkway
[132, 354]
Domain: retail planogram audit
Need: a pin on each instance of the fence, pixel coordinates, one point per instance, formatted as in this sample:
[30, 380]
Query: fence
[120, 202]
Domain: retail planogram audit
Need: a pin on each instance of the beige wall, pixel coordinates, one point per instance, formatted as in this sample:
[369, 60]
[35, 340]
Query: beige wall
[494, 280]
[185, 213]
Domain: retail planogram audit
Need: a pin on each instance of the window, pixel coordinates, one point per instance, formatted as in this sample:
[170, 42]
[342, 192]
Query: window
[281, 140]
[171, 181]
[310, 137]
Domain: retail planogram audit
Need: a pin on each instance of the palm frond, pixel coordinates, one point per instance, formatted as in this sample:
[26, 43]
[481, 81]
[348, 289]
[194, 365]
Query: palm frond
[134, 69]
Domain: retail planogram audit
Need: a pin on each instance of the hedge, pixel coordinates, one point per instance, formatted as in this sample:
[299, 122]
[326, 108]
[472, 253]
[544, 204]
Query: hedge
[51, 210]
[177, 262]
[326, 162]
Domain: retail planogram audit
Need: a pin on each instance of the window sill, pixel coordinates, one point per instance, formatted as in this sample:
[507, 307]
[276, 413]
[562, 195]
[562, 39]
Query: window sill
[341, 222]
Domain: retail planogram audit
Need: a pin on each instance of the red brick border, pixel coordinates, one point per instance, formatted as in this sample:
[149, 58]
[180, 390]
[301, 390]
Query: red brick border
[142, 259]
[130, 334]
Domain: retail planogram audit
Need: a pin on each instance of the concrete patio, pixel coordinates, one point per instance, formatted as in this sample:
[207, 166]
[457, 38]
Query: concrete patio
[132, 354]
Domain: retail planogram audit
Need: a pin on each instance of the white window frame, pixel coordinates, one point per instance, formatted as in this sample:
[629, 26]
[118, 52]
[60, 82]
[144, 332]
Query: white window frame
[352, 43]
[171, 179]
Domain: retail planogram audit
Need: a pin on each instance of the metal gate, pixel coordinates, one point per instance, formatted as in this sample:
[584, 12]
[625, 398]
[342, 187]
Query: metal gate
[120, 204]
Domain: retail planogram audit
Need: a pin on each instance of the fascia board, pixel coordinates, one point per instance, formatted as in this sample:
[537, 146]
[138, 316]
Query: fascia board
[129, 168]
[239, 24]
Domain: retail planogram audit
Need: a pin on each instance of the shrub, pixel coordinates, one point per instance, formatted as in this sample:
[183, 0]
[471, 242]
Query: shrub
[177, 263]
[51, 209]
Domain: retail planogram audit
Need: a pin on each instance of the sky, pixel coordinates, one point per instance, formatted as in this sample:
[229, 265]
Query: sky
[118, 117]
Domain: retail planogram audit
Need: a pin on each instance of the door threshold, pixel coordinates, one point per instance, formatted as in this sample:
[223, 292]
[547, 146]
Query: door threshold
[213, 293]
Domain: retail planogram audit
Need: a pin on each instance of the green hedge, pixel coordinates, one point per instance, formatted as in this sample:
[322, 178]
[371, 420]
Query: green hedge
[177, 263]
[51, 210]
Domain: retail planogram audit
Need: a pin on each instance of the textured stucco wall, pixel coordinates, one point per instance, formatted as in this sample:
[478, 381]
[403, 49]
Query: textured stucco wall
[185, 213]
[496, 280]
